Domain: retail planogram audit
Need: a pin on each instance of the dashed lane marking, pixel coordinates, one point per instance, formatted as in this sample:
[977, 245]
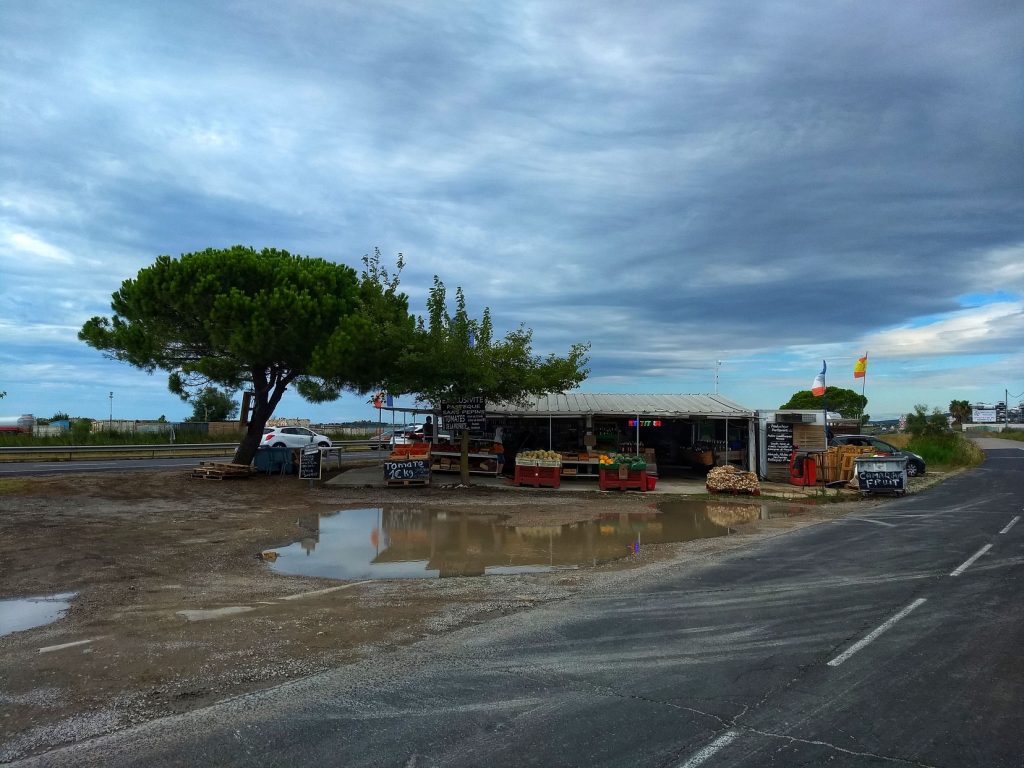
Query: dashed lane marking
[875, 633]
[700, 757]
[967, 563]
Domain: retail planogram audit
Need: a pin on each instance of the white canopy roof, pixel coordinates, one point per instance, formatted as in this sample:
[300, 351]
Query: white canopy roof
[586, 403]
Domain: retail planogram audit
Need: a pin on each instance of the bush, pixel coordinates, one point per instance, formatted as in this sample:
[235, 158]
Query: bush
[951, 449]
[81, 431]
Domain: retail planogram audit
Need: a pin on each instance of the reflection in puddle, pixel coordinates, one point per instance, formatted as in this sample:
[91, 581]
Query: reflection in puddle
[27, 612]
[409, 543]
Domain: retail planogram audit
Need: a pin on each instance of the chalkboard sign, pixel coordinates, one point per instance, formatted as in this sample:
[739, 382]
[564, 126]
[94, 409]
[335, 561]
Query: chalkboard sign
[881, 480]
[407, 469]
[467, 413]
[309, 465]
[778, 442]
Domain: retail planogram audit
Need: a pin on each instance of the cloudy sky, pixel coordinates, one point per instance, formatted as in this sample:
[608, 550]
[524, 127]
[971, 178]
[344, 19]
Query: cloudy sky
[764, 184]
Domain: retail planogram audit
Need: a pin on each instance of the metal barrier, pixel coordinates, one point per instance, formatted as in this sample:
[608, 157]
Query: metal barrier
[77, 452]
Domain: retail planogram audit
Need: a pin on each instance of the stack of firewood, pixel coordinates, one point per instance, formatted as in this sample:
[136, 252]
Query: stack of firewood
[730, 478]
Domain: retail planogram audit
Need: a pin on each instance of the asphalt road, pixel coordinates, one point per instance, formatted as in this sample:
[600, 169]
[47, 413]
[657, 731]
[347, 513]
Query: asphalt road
[889, 638]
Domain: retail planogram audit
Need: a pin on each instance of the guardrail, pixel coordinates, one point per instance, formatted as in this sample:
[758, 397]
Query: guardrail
[78, 452]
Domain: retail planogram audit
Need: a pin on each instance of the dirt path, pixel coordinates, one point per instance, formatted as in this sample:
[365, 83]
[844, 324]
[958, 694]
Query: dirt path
[143, 549]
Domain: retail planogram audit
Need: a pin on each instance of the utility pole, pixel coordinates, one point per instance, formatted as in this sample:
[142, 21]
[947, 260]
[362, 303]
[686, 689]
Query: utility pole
[718, 365]
[110, 424]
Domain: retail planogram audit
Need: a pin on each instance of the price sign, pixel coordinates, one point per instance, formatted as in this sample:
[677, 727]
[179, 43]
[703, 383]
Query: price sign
[778, 442]
[310, 466]
[407, 469]
[464, 414]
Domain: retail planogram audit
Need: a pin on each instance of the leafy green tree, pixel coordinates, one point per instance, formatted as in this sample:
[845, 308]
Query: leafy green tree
[960, 410]
[213, 404]
[261, 320]
[60, 416]
[920, 423]
[456, 357]
[81, 431]
[843, 401]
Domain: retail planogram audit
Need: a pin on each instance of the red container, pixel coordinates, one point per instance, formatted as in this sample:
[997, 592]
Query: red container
[609, 480]
[652, 481]
[538, 477]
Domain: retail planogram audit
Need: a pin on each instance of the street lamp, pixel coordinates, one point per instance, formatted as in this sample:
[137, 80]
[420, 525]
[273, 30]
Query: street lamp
[110, 424]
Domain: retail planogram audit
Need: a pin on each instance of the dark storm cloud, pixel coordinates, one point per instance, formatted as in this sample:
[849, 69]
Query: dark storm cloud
[675, 180]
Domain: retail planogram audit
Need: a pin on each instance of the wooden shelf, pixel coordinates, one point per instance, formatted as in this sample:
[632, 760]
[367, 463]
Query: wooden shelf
[473, 457]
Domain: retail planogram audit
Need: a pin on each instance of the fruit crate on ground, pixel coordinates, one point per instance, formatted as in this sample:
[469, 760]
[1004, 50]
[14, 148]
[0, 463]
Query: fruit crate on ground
[538, 477]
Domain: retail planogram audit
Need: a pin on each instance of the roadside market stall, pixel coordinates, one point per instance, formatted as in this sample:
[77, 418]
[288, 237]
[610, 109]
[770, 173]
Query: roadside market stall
[667, 432]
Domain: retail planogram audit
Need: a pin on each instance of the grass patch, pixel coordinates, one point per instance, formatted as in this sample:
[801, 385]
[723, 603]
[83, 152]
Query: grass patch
[9, 485]
[1007, 434]
[950, 450]
[113, 438]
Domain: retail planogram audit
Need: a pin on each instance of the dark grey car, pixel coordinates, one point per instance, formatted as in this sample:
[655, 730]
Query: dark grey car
[915, 464]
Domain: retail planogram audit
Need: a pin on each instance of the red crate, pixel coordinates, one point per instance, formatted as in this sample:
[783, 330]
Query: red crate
[539, 477]
[609, 480]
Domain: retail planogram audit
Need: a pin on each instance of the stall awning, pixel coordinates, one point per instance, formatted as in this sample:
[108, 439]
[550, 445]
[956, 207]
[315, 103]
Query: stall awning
[586, 403]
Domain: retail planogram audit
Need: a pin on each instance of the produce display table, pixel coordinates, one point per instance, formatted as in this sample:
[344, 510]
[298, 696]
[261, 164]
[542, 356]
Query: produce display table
[609, 480]
[538, 477]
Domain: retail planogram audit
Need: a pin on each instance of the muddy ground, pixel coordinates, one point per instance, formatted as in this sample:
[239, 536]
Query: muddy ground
[141, 547]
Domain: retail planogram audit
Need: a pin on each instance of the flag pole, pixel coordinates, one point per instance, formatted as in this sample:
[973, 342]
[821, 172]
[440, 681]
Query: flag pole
[824, 400]
[863, 388]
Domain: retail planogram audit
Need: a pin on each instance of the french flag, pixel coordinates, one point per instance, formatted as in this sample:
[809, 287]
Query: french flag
[819, 382]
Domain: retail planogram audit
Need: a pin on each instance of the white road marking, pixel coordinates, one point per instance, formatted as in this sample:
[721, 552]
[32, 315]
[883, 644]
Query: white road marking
[874, 634]
[214, 613]
[62, 646]
[1010, 524]
[323, 591]
[869, 520]
[967, 564]
[722, 741]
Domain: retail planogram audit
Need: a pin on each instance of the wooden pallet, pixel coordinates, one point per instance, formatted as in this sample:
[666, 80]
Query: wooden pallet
[212, 470]
[400, 483]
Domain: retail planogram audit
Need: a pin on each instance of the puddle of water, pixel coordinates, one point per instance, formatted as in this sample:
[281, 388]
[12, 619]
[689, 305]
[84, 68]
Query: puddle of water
[28, 612]
[404, 543]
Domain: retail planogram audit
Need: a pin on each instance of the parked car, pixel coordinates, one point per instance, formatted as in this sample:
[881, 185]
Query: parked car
[293, 437]
[385, 438]
[915, 464]
[413, 433]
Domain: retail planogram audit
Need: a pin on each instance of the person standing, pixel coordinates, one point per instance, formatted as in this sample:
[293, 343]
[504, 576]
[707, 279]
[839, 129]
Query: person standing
[428, 430]
[499, 449]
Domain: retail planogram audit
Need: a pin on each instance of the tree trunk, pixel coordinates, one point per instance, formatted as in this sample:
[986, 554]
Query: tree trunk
[464, 458]
[246, 450]
[264, 402]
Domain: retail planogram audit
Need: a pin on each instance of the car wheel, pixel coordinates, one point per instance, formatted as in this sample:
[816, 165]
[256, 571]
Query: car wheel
[324, 445]
[913, 470]
[279, 444]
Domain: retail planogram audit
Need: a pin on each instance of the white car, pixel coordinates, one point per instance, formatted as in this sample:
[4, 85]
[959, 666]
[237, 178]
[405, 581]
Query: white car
[293, 437]
[413, 433]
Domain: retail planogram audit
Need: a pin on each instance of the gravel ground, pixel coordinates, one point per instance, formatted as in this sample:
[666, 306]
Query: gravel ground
[140, 549]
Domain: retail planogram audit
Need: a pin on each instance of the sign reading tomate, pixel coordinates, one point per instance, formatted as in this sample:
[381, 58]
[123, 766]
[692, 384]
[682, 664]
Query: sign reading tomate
[464, 414]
